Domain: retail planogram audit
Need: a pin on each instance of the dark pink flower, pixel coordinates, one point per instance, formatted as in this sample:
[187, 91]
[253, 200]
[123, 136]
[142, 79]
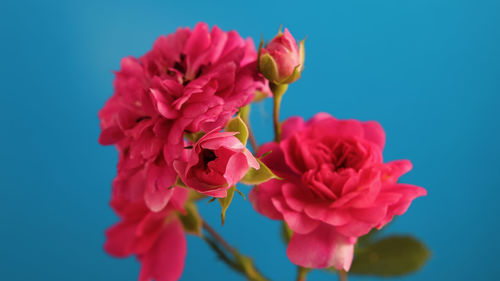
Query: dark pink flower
[282, 61]
[156, 238]
[335, 188]
[217, 161]
[191, 81]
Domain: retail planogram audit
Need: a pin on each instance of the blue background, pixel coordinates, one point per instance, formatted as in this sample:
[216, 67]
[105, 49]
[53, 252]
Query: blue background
[428, 70]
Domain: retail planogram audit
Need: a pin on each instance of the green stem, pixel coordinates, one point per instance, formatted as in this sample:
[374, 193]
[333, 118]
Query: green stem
[342, 275]
[302, 273]
[231, 256]
[245, 116]
[278, 92]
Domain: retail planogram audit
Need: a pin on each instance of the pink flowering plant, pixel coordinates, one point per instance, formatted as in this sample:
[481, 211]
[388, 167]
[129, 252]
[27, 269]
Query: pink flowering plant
[179, 119]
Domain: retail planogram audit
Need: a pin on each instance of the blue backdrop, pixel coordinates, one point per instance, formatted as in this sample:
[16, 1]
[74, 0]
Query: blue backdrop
[428, 70]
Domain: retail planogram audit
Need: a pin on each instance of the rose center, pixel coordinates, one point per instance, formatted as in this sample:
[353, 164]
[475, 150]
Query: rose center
[207, 156]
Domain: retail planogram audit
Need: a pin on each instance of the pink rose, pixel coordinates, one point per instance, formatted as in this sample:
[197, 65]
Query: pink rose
[217, 161]
[156, 239]
[335, 188]
[191, 81]
[281, 61]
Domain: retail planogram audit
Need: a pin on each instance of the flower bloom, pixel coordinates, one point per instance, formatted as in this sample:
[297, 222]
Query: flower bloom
[191, 81]
[156, 238]
[281, 61]
[217, 161]
[335, 188]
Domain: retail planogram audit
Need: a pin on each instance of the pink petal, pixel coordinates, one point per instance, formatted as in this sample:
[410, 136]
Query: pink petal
[261, 195]
[297, 197]
[354, 228]
[297, 221]
[120, 239]
[165, 261]
[158, 187]
[321, 248]
[374, 133]
[291, 125]
[236, 168]
[252, 162]
[370, 215]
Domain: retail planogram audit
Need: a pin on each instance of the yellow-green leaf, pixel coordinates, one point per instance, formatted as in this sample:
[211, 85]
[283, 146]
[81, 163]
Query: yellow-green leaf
[237, 125]
[259, 176]
[225, 202]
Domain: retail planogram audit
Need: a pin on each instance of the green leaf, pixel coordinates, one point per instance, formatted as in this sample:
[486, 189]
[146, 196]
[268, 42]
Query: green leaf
[391, 256]
[225, 202]
[191, 220]
[237, 125]
[263, 174]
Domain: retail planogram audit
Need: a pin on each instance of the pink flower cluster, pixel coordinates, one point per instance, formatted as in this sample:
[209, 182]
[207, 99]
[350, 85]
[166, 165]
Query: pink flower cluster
[335, 188]
[191, 81]
[326, 177]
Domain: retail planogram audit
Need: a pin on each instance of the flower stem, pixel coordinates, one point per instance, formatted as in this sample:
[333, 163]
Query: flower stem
[278, 92]
[217, 236]
[245, 116]
[231, 256]
[342, 275]
[302, 273]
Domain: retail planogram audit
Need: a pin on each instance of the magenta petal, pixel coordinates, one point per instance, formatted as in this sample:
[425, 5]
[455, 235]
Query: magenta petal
[374, 133]
[297, 221]
[291, 125]
[236, 168]
[261, 196]
[297, 198]
[120, 239]
[321, 248]
[165, 260]
[354, 228]
[158, 187]
[337, 217]
[370, 215]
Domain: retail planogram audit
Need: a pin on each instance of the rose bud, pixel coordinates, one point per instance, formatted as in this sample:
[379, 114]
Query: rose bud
[217, 161]
[281, 61]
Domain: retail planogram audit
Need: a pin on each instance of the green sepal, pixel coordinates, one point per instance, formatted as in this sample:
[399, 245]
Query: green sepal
[391, 256]
[244, 113]
[302, 53]
[191, 220]
[225, 202]
[286, 232]
[293, 77]
[259, 96]
[179, 183]
[268, 67]
[238, 125]
[194, 137]
[263, 174]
